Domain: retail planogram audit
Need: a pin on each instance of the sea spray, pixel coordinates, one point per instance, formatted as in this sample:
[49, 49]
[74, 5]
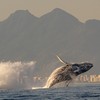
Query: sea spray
[16, 74]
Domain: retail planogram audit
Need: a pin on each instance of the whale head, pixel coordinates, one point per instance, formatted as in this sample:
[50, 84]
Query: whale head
[81, 68]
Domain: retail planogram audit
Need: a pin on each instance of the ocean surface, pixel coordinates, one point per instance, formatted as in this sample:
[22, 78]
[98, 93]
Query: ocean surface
[76, 92]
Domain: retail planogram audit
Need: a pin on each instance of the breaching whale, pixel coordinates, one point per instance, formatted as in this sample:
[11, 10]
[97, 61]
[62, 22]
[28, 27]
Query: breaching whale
[67, 72]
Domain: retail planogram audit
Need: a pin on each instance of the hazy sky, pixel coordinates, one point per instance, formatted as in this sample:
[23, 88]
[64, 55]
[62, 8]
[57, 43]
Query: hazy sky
[82, 9]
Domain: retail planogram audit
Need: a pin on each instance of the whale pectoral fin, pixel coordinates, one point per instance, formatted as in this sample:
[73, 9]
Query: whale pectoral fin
[62, 61]
[67, 83]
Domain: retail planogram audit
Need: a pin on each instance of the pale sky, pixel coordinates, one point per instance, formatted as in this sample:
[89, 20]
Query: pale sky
[82, 9]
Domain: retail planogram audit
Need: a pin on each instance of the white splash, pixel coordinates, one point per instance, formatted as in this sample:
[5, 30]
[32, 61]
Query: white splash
[16, 74]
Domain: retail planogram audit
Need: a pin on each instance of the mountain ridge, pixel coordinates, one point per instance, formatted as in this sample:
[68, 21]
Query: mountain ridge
[24, 37]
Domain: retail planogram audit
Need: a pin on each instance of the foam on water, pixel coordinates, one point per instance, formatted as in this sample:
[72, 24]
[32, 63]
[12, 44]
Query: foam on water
[33, 88]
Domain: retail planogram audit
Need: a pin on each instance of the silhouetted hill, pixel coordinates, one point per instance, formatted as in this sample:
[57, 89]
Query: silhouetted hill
[25, 37]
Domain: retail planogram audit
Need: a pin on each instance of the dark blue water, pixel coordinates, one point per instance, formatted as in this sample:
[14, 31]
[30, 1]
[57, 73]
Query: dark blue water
[83, 92]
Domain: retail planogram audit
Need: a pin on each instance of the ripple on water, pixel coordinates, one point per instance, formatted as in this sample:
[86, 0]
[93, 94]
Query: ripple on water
[68, 93]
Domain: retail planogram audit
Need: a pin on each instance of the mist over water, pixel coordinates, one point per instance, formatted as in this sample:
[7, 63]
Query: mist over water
[16, 74]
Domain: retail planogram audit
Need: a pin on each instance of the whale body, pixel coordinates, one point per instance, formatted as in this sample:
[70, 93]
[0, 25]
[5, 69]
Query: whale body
[67, 72]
